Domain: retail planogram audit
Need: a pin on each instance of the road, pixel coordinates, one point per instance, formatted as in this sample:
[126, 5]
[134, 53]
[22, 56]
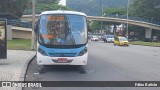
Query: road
[106, 62]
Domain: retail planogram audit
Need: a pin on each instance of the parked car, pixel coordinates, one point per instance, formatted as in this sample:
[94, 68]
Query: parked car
[122, 41]
[94, 38]
[108, 38]
[155, 39]
[89, 36]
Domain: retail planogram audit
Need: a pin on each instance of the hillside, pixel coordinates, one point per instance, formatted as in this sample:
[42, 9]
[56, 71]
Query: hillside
[94, 7]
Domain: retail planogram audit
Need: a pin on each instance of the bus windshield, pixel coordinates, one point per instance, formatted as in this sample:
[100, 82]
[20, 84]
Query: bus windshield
[58, 30]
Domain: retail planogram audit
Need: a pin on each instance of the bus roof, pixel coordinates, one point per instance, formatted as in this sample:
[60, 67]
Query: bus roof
[63, 12]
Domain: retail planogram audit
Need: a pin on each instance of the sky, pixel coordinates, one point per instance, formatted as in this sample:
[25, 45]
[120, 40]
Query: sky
[62, 2]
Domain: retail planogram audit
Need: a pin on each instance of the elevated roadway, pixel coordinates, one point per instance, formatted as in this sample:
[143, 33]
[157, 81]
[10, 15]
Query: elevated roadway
[132, 22]
[148, 26]
[110, 19]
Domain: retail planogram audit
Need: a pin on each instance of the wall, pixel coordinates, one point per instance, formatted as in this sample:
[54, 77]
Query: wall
[23, 33]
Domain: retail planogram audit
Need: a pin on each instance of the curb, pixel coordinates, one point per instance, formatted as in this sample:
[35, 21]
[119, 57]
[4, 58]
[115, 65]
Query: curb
[23, 72]
[144, 45]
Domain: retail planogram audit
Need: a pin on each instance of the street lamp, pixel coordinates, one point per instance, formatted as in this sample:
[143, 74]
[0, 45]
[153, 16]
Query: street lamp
[127, 19]
[102, 21]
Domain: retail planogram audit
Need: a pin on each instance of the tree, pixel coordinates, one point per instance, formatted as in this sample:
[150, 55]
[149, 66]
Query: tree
[114, 11]
[15, 7]
[95, 25]
[94, 7]
[49, 6]
[45, 5]
[146, 9]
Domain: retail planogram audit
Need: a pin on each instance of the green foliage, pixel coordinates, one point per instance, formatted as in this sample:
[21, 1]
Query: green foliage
[114, 11]
[146, 9]
[15, 7]
[50, 6]
[46, 5]
[48, 1]
[95, 25]
[94, 7]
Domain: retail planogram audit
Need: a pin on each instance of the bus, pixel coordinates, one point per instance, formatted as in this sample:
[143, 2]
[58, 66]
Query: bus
[62, 38]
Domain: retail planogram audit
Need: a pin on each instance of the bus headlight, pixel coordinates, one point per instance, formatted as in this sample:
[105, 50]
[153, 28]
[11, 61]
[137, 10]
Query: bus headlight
[42, 52]
[83, 52]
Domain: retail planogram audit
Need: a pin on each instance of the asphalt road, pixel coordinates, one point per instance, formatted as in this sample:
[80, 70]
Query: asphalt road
[106, 62]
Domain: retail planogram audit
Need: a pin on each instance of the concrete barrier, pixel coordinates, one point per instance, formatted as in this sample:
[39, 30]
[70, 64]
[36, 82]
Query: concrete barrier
[18, 32]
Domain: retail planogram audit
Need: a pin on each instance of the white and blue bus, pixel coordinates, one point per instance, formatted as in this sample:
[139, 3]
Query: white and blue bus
[62, 38]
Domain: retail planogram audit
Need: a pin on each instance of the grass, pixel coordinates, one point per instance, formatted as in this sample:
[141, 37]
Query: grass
[25, 44]
[146, 43]
[19, 44]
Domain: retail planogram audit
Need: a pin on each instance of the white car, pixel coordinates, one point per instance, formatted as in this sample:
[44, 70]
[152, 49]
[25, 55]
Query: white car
[108, 38]
[94, 38]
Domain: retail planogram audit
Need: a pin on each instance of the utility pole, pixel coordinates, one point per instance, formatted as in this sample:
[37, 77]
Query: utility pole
[33, 24]
[127, 20]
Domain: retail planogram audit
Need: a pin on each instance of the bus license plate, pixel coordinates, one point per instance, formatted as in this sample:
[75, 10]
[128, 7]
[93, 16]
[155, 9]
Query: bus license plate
[62, 60]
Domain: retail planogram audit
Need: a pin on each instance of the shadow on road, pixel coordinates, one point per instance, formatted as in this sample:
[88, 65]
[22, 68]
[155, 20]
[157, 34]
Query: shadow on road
[59, 68]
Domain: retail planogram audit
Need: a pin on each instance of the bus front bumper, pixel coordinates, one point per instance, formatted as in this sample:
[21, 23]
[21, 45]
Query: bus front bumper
[45, 60]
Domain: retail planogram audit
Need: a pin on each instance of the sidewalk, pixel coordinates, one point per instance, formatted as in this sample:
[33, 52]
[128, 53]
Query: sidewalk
[13, 68]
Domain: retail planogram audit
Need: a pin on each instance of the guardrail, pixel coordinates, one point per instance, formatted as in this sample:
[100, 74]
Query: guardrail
[135, 18]
[19, 23]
